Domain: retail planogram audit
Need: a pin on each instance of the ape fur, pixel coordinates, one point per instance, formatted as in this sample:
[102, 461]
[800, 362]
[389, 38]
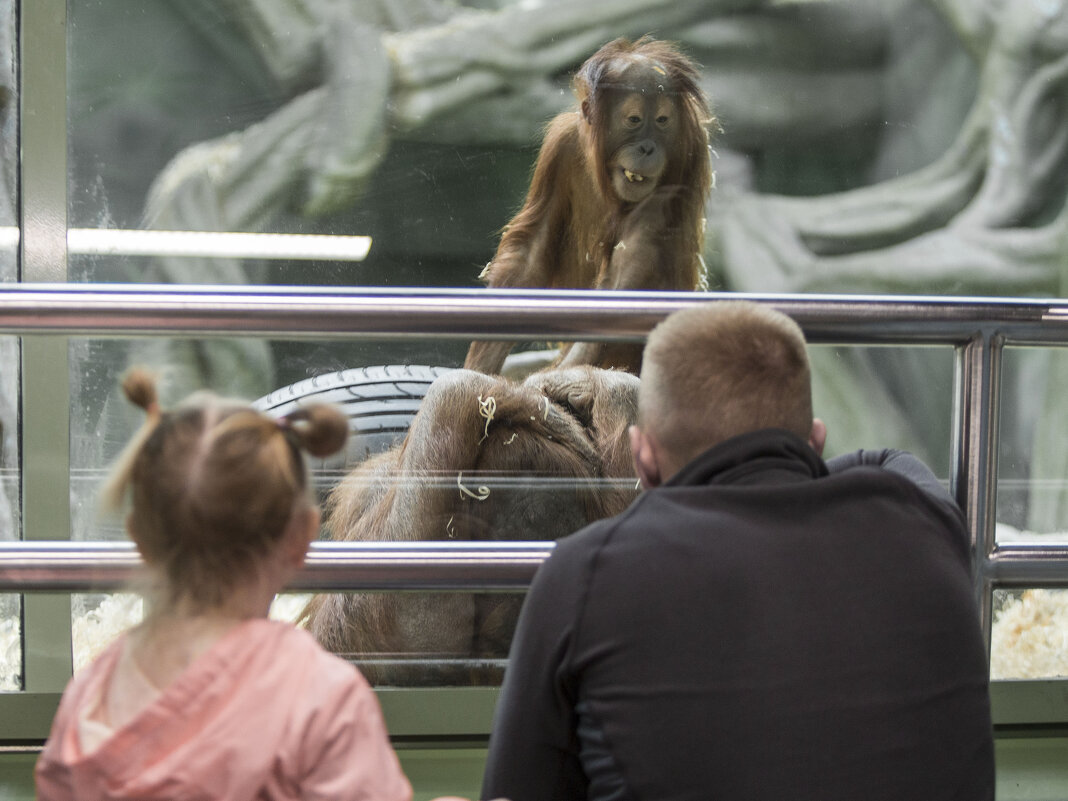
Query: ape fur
[485, 458]
[617, 197]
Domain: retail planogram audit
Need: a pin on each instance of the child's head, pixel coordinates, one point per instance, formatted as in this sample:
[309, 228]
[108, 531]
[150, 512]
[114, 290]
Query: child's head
[215, 485]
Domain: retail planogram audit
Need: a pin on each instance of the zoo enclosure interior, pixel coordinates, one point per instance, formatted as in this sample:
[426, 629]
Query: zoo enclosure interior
[978, 330]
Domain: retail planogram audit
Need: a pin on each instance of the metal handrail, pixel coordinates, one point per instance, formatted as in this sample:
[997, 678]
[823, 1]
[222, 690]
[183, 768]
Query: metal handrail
[978, 329]
[61, 566]
[423, 566]
[170, 310]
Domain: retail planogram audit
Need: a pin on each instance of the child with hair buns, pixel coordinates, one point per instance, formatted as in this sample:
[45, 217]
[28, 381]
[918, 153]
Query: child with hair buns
[208, 698]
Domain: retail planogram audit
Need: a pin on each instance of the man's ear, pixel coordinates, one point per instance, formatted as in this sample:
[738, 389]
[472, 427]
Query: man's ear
[646, 462]
[818, 437]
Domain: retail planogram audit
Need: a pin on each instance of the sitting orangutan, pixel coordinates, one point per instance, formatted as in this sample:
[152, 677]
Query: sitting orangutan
[482, 460]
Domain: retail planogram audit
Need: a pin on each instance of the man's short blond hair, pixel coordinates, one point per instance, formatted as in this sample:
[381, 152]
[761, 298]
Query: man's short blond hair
[722, 369]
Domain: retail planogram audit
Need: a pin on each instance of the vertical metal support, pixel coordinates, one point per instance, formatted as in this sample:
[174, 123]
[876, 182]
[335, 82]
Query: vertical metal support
[973, 480]
[43, 140]
[45, 408]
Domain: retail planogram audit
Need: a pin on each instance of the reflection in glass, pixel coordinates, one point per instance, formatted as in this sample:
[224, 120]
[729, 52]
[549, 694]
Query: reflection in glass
[1029, 638]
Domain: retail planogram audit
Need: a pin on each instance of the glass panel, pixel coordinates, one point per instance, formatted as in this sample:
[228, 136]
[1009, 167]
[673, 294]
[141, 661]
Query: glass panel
[10, 527]
[534, 497]
[886, 397]
[202, 124]
[289, 606]
[243, 117]
[96, 620]
[1029, 637]
[9, 439]
[410, 123]
[419, 639]
[10, 643]
[1032, 502]
[869, 397]
[102, 421]
[9, 120]
[9, 237]
[99, 618]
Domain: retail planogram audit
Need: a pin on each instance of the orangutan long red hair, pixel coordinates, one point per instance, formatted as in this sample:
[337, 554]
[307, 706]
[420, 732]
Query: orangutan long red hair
[617, 198]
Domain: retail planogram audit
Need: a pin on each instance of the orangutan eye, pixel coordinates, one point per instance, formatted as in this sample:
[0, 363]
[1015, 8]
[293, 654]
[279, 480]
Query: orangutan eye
[662, 119]
[634, 120]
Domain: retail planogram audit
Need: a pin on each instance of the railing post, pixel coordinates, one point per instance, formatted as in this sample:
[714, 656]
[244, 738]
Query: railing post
[45, 397]
[974, 464]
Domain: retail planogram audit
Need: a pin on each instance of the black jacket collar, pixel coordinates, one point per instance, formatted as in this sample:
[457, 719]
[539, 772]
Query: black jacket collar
[770, 455]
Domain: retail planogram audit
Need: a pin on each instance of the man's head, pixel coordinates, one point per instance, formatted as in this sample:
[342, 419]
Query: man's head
[713, 372]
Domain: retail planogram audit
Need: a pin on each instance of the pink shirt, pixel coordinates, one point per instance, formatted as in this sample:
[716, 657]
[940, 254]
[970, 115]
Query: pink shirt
[265, 713]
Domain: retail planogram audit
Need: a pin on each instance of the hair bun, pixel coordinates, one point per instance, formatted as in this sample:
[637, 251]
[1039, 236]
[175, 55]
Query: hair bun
[139, 386]
[320, 429]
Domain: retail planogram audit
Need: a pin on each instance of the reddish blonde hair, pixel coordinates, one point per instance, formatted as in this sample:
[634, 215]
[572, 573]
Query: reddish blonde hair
[213, 484]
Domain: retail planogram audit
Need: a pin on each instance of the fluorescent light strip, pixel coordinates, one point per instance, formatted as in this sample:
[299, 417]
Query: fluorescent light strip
[207, 244]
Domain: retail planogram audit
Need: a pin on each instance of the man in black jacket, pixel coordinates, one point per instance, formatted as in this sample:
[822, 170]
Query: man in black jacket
[759, 624]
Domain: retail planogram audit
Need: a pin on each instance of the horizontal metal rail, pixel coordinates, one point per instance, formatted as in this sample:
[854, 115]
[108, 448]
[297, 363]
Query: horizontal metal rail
[1022, 566]
[422, 566]
[169, 310]
[977, 328]
[393, 566]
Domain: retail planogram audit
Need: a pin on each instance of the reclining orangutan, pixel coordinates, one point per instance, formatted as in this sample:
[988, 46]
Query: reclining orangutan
[469, 469]
[617, 198]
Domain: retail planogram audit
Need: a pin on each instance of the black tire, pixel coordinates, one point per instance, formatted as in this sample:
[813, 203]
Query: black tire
[380, 402]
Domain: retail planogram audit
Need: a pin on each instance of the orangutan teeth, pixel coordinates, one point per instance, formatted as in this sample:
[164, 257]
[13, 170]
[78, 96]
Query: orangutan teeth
[633, 176]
